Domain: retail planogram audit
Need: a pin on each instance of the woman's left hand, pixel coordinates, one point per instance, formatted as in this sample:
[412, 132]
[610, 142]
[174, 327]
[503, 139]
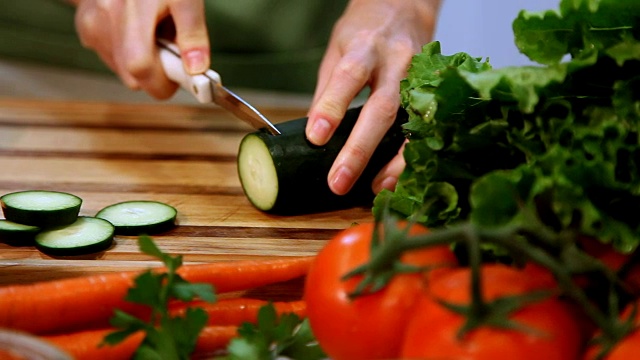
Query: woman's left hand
[371, 45]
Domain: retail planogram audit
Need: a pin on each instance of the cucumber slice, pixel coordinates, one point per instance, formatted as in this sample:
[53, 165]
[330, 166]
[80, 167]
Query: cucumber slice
[85, 236]
[139, 217]
[41, 208]
[257, 172]
[287, 175]
[17, 234]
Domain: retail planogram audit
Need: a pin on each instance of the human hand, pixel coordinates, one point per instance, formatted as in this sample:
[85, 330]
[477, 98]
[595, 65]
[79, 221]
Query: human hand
[371, 45]
[123, 33]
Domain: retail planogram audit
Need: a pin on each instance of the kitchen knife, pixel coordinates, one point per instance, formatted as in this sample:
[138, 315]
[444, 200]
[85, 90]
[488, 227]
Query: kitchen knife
[208, 88]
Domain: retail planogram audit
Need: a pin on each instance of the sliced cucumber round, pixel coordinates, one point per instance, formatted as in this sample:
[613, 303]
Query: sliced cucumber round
[41, 208]
[85, 236]
[139, 217]
[17, 234]
[258, 172]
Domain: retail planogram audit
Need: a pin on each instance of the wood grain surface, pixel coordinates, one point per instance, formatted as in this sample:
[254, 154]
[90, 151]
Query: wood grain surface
[181, 155]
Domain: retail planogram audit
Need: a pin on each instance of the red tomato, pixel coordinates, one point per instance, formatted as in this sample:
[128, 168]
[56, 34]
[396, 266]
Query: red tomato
[605, 252]
[627, 348]
[371, 326]
[432, 331]
[614, 259]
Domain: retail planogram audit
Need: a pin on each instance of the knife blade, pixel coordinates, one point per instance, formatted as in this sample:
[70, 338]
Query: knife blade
[208, 88]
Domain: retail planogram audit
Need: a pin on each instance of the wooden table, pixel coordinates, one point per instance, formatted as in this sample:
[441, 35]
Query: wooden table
[181, 155]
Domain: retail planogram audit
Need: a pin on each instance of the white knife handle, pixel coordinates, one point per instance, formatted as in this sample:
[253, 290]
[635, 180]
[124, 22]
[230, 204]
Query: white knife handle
[199, 85]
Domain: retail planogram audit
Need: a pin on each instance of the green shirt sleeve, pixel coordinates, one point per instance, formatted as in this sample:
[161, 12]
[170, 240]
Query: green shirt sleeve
[260, 44]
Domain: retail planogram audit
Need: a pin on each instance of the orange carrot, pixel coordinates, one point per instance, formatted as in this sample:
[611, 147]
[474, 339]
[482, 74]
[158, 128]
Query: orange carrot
[212, 339]
[77, 303]
[235, 311]
[86, 344]
[246, 274]
[62, 305]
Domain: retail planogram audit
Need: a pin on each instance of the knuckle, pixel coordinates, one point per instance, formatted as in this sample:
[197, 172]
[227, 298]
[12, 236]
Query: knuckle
[109, 6]
[386, 109]
[353, 70]
[91, 19]
[332, 107]
[179, 2]
[187, 9]
[139, 65]
[87, 23]
[366, 38]
[403, 47]
[331, 110]
[195, 39]
[161, 93]
[358, 153]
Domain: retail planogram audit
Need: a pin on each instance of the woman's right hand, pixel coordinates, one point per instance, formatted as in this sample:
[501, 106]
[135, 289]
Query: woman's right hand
[123, 34]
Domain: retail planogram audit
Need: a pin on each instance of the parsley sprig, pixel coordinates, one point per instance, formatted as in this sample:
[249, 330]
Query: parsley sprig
[166, 337]
[274, 336]
[284, 336]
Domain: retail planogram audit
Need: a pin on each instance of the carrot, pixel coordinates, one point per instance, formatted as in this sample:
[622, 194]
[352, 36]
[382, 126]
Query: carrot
[212, 339]
[247, 274]
[86, 344]
[64, 304]
[235, 311]
[76, 303]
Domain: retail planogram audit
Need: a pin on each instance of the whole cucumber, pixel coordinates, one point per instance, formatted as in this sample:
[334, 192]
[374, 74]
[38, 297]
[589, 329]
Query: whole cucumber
[287, 175]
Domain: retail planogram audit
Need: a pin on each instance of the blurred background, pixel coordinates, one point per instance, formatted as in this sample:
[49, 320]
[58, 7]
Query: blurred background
[481, 28]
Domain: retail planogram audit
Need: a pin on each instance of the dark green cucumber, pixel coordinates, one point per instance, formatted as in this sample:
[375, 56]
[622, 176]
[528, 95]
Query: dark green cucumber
[140, 217]
[17, 234]
[287, 175]
[41, 208]
[86, 235]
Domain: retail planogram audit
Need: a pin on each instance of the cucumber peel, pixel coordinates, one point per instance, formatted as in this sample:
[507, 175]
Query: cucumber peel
[139, 217]
[17, 234]
[86, 235]
[287, 175]
[41, 208]
[51, 221]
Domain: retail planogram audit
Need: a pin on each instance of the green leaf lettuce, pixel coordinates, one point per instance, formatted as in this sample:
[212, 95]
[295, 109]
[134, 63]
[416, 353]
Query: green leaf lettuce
[559, 139]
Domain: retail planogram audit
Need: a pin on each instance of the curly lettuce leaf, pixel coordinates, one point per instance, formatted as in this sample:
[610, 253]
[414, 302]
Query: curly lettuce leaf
[561, 140]
[576, 29]
[424, 77]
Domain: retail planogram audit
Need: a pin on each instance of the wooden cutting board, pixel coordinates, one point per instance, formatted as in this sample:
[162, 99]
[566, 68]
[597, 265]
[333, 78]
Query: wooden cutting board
[181, 155]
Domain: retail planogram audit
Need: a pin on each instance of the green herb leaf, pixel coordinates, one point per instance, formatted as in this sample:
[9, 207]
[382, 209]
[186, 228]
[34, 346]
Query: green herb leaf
[147, 290]
[147, 246]
[129, 325]
[275, 337]
[166, 337]
[185, 291]
[127, 321]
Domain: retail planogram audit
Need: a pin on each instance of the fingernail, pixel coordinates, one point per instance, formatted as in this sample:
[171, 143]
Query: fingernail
[196, 61]
[388, 183]
[342, 180]
[320, 131]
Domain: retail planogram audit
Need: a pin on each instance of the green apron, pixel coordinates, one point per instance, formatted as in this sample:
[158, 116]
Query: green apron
[260, 44]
